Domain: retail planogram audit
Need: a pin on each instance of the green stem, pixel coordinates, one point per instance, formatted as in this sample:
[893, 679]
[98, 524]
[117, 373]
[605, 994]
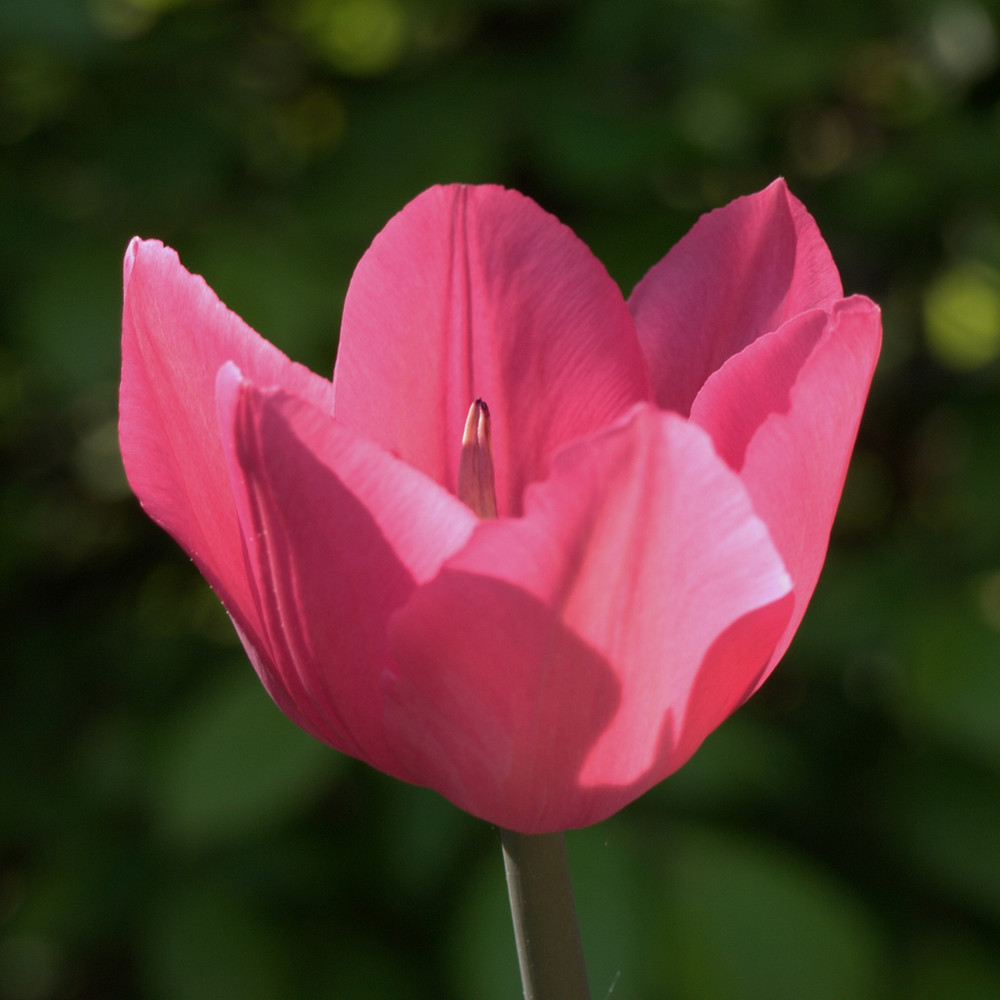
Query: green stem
[541, 902]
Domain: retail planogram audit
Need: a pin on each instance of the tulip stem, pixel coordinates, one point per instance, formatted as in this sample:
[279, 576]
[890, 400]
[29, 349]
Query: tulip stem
[541, 902]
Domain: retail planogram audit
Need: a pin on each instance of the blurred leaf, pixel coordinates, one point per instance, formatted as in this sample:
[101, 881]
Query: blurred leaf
[955, 673]
[204, 942]
[232, 765]
[615, 907]
[70, 305]
[54, 23]
[359, 968]
[940, 823]
[955, 966]
[743, 761]
[481, 954]
[748, 921]
[423, 838]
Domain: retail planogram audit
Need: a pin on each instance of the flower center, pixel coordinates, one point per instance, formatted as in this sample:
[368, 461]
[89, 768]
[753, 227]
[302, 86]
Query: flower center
[476, 487]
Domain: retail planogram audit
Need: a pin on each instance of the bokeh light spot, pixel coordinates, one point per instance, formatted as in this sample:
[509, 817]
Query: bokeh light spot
[963, 40]
[989, 600]
[29, 967]
[359, 37]
[126, 19]
[712, 119]
[962, 316]
[822, 142]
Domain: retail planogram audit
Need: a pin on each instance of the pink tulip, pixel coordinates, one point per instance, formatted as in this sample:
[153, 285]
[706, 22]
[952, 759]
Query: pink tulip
[667, 472]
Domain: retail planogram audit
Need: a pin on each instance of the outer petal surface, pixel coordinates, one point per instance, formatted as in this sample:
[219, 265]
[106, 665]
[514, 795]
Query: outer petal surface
[476, 292]
[338, 533]
[564, 662]
[176, 335]
[742, 271]
[784, 413]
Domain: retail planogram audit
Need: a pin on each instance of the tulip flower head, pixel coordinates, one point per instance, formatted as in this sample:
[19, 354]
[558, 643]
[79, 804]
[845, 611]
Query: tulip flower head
[534, 542]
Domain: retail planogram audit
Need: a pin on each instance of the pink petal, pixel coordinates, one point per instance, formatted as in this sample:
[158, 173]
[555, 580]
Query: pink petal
[176, 335]
[564, 662]
[784, 413]
[742, 271]
[337, 533]
[475, 292]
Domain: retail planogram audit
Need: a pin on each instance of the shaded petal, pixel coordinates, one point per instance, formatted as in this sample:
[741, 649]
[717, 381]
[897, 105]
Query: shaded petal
[742, 271]
[785, 413]
[476, 292]
[176, 335]
[564, 662]
[337, 534]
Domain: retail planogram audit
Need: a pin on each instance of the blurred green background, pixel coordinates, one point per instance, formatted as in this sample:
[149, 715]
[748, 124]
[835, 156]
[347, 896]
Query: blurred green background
[164, 832]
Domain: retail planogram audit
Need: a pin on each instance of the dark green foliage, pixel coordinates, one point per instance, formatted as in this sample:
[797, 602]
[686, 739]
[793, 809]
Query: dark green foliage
[164, 832]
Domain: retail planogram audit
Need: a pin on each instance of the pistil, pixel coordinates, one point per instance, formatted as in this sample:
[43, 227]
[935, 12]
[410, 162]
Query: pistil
[476, 486]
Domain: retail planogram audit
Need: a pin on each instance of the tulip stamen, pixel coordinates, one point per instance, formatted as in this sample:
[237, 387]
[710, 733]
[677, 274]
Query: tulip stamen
[476, 485]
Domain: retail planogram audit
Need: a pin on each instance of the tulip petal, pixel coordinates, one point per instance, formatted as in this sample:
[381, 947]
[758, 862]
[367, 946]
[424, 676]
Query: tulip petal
[476, 292]
[337, 534]
[176, 334]
[784, 413]
[742, 271]
[562, 663]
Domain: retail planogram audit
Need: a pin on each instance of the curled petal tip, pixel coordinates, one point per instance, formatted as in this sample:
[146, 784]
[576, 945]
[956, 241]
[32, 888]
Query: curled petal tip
[130, 252]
